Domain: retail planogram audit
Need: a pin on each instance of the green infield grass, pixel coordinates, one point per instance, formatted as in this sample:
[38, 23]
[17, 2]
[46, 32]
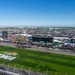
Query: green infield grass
[42, 61]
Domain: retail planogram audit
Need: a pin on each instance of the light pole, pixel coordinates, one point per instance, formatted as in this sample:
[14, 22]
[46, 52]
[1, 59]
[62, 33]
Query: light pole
[21, 69]
[38, 71]
[14, 68]
[46, 72]
[56, 73]
[29, 70]
[8, 66]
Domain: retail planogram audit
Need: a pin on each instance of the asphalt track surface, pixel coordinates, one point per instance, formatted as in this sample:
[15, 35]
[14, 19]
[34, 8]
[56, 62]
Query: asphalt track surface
[43, 49]
[56, 50]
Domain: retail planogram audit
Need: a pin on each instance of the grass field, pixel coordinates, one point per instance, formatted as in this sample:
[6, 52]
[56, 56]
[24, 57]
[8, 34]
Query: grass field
[42, 60]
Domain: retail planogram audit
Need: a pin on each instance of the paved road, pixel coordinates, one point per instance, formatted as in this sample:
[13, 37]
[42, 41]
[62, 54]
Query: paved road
[51, 50]
[66, 52]
[7, 44]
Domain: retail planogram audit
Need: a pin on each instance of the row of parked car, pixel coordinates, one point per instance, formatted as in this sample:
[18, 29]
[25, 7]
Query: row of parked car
[23, 45]
[67, 47]
[30, 44]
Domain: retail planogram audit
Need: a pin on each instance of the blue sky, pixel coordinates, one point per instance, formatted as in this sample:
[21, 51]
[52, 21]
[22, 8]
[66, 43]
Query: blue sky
[50, 13]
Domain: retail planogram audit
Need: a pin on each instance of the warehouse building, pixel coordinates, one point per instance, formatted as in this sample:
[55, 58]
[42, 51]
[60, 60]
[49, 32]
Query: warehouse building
[39, 38]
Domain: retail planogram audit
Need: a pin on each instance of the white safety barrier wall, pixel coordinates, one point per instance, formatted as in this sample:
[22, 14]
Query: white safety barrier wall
[7, 72]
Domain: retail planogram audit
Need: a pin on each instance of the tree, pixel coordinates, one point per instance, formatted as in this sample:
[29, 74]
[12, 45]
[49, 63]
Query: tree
[21, 39]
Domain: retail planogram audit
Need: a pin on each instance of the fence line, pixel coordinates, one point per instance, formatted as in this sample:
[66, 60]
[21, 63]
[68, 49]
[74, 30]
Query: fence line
[20, 71]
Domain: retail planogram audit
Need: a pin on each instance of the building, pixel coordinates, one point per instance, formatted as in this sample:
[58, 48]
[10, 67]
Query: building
[4, 34]
[27, 36]
[39, 38]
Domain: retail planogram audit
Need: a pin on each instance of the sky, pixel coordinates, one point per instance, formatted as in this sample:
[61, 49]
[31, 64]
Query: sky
[37, 13]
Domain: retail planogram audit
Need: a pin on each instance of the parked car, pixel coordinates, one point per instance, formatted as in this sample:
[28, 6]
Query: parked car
[68, 46]
[23, 46]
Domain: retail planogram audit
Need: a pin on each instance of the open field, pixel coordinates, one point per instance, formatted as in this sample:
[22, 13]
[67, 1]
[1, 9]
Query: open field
[41, 61]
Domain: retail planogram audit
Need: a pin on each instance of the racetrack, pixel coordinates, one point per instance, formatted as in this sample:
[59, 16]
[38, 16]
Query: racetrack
[40, 60]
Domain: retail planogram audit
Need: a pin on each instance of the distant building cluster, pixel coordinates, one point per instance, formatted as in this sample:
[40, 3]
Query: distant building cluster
[37, 34]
